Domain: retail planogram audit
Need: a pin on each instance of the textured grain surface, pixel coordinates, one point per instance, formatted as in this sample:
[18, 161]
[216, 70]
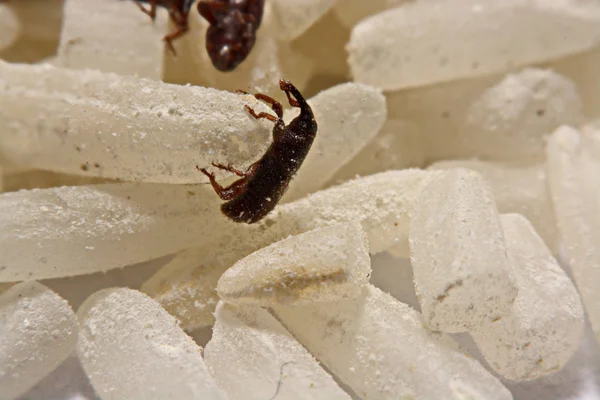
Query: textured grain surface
[381, 350]
[521, 189]
[426, 42]
[131, 348]
[66, 231]
[462, 275]
[38, 331]
[545, 324]
[573, 165]
[513, 119]
[253, 357]
[326, 264]
[99, 124]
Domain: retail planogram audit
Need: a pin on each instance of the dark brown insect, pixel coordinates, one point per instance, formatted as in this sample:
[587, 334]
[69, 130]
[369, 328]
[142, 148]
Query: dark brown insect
[232, 32]
[179, 11]
[262, 185]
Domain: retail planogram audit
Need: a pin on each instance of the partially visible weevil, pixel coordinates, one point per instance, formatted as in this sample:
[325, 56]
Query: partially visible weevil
[179, 11]
[262, 185]
[232, 31]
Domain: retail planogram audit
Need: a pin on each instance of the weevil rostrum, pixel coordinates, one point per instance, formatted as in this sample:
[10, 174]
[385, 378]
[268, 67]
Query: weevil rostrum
[262, 185]
[232, 32]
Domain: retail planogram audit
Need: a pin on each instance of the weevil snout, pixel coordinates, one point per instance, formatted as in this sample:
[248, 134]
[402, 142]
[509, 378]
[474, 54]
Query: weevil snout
[285, 85]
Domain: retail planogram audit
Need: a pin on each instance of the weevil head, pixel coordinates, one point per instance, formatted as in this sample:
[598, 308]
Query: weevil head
[229, 44]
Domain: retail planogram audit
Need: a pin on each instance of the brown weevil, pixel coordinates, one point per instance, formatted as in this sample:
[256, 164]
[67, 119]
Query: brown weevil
[179, 11]
[232, 31]
[262, 185]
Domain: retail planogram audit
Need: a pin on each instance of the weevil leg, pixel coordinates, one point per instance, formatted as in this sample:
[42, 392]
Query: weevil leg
[235, 189]
[181, 30]
[229, 168]
[261, 115]
[275, 105]
[251, 170]
[232, 191]
[177, 17]
[152, 12]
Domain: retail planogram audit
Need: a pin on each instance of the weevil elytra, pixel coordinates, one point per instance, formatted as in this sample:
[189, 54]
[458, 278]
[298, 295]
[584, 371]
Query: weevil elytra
[232, 31]
[179, 11]
[262, 185]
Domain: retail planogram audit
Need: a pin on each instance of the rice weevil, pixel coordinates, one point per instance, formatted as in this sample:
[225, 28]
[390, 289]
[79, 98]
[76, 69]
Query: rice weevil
[262, 185]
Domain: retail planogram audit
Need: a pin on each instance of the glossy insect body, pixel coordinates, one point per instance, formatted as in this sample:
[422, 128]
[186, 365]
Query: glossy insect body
[262, 185]
[232, 32]
[179, 11]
